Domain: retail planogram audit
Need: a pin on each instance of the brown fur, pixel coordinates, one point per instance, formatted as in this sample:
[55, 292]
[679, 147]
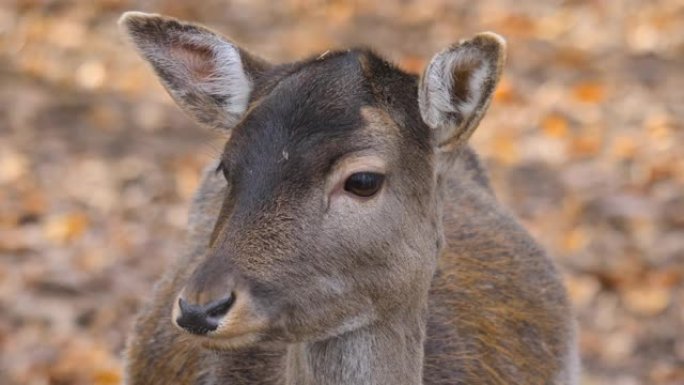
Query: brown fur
[497, 309]
[435, 283]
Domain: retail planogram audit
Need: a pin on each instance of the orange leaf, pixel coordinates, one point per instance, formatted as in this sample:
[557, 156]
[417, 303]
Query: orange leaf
[624, 147]
[107, 377]
[589, 92]
[555, 126]
[575, 240]
[582, 289]
[413, 64]
[65, 228]
[648, 301]
[586, 145]
[505, 149]
[505, 93]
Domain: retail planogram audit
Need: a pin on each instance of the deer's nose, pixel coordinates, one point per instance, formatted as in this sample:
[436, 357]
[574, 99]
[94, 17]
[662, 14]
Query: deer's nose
[202, 319]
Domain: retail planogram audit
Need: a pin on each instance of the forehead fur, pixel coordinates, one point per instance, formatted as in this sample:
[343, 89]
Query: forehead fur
[306, 115]
[321, 100]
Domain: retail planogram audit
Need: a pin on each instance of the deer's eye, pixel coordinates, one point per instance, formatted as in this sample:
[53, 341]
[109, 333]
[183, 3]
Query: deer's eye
[364, 184]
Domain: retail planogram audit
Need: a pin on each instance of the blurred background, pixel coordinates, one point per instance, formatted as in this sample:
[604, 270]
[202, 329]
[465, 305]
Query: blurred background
[97, 167]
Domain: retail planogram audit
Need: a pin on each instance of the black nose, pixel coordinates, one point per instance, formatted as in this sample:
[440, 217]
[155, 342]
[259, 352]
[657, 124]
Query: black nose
[201, 319]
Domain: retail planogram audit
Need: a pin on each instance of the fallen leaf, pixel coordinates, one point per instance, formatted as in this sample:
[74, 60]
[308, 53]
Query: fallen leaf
[624, 147]
[66, 227]
[646, 300]
[412, 64]
[589, 92]
[13, 165]
[582, 289]
[555, 126]
[505, 92]
[575, 240]
[585, 145]
[107, 377]
[505, 149]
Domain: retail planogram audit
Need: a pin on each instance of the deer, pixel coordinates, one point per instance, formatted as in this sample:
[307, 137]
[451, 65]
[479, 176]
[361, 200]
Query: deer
[348, 232]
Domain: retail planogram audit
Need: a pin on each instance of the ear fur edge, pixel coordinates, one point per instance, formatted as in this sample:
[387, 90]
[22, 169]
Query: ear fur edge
[494, 46]
[203, 71]
[457, 86]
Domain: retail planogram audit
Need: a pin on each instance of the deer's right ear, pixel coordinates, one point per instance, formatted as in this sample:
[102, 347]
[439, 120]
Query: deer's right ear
[458, 85]
[206, 74]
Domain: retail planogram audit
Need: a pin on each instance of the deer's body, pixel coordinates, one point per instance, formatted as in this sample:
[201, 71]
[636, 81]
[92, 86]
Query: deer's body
[453, 289]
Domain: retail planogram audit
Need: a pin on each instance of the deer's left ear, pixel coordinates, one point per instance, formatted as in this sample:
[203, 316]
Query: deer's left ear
[457, 86]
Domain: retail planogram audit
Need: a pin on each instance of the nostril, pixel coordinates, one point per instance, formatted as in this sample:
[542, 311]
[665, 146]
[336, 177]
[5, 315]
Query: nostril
[201, 319]
[185, 307]
[220, 308]
[193, 319]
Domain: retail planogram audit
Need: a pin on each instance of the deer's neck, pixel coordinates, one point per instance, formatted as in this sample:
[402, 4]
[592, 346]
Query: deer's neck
[383, 353]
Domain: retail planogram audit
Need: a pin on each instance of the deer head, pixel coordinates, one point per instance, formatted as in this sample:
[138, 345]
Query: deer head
[331, 217]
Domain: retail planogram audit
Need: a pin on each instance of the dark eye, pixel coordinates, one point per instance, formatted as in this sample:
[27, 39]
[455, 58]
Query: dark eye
[364, 184]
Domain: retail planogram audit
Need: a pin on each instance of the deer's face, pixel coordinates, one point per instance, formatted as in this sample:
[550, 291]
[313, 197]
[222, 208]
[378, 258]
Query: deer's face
[330, 220]
[327, 222]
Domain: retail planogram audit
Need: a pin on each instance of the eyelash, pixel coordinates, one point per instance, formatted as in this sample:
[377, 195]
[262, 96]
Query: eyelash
[221, 168]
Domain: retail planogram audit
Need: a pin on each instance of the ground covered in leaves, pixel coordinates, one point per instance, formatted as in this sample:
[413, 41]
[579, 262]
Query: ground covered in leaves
[583, 141]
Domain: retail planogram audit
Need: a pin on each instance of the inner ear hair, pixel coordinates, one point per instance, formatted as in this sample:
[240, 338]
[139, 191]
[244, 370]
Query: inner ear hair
[457, 86]
[208, 75]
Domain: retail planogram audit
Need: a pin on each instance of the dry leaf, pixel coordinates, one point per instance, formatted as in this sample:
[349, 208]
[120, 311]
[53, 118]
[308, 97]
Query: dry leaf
[505, 149]
[66, 227]
[412, 64]
[555, 126]
[13, 165]
[107, 377]
[589, 92]
[646, 300]
[582, 289]
[505, 93]
[586, 144]
[575, 240]
[624, 147]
